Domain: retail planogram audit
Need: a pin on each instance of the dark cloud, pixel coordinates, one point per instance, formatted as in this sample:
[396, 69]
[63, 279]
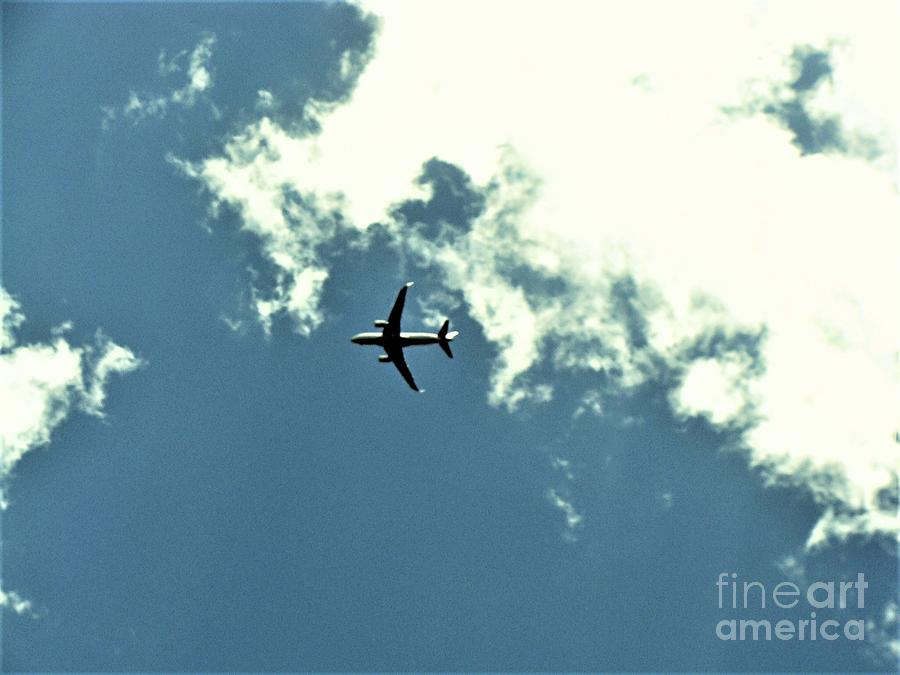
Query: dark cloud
[537, 284]
[720, 342]
[813, 66]
[888, 497]
[791, 104]
[812, 135]
[626, 307]
[454, 200]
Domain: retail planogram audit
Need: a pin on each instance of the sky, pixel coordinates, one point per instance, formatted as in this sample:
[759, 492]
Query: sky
[668, 236]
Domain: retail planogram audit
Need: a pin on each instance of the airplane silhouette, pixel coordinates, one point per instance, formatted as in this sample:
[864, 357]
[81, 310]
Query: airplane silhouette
[393, 341]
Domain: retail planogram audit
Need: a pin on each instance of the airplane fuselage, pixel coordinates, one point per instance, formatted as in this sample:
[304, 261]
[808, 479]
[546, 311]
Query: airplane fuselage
[406, 339]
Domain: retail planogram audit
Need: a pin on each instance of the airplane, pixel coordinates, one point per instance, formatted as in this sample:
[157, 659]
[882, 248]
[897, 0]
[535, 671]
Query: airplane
[393, 341]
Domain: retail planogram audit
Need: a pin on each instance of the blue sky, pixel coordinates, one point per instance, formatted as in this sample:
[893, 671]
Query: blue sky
[673, 359]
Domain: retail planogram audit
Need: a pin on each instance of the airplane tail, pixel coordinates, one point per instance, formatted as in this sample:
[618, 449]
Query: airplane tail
[444, 338]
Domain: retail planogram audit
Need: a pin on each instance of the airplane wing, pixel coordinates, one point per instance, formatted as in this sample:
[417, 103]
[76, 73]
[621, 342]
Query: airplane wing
[394, 319]
[398, 360]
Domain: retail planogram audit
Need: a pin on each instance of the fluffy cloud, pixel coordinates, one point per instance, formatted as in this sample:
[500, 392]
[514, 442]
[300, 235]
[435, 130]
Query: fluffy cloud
[629, 227]
[291, 223]
[44, 382]
[264, 175]
[196, 69]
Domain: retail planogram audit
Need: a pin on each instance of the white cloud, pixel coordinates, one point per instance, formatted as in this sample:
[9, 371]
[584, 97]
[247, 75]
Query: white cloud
[574, 520]
[199, 80]
[15, 602]
[564, 466]
[264, 99]
[559, 498]
[714, 388]
[290, 222]
[719, 222]
[40, 385]
[43, 383]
